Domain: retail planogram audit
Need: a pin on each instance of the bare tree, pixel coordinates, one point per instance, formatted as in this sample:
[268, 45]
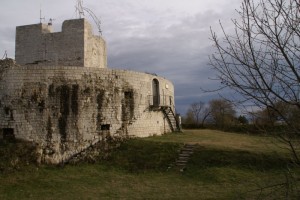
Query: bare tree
[261, 59]
[205, 114]
[222, 112]
[196, 109]
[199, 112]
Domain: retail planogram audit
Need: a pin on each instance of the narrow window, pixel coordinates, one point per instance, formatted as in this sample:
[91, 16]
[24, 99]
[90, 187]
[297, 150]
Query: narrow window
[155, 92]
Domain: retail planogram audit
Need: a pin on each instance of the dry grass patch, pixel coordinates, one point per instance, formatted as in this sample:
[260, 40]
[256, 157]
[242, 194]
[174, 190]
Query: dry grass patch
[223, 166]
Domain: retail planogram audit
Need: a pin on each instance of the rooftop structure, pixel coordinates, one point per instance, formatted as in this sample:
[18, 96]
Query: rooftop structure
[75, 45]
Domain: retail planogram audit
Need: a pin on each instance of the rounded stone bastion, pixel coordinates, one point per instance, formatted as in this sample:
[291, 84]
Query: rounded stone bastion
[66, 109]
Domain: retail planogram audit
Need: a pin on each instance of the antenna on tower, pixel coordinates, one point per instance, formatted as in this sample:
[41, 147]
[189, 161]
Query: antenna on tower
[41, 18]
[5, 55]
[79, 8]
[80, 12]
[51, 21]
[95, 18]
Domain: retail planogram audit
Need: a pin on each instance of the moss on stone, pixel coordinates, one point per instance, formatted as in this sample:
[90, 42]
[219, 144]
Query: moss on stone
[74, 99]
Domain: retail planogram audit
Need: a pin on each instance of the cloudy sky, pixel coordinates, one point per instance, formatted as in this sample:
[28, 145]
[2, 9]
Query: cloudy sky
[166, 37]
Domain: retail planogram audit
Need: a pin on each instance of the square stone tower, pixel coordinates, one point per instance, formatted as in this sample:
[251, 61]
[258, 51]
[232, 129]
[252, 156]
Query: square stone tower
[74, 46]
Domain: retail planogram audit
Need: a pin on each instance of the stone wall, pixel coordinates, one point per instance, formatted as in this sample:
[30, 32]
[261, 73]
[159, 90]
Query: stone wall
[74, 46]
[66, 109]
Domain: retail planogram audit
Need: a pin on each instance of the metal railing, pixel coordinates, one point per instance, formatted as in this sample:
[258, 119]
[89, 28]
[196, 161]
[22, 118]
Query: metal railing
[161, 101]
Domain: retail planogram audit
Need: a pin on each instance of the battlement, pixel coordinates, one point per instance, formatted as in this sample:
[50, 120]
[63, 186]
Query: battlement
[75, 45]
[62, 99]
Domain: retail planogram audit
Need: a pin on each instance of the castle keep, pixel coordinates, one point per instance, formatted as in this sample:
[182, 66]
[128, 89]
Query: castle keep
[74, 46]
[60, 94]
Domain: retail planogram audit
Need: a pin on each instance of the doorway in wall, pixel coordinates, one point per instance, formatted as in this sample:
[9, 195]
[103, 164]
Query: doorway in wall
[8, 134]
[155, 92]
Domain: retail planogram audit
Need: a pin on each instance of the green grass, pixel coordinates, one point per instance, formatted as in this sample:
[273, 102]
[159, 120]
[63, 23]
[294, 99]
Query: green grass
[225, 140]
[224, 166]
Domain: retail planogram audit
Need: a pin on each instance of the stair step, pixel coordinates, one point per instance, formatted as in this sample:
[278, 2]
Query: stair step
[187, 152]
[181, 161]
[188, 148]
[181, 164]
[171, 119]
[183, 158]
[185, 155]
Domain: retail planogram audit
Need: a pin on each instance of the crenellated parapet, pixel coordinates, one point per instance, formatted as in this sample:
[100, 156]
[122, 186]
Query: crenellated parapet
[75, 45]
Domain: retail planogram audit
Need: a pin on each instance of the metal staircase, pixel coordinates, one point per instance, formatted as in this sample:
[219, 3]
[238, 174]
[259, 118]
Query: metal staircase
[171, 118]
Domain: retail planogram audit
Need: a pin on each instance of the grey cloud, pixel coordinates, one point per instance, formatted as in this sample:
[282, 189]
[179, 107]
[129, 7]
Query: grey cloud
[178, 52]
[142, 37]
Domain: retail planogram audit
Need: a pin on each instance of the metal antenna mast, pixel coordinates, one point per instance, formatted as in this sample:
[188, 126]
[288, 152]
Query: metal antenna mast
[95, 18]
[5, 55]
[41, 18]
[79, 8]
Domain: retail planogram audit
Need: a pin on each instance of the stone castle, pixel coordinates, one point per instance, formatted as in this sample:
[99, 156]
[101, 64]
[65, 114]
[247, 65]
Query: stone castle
[60, 94]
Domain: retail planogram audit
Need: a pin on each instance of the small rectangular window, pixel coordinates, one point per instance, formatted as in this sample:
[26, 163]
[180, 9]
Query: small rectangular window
[105, 127]
[8, 134]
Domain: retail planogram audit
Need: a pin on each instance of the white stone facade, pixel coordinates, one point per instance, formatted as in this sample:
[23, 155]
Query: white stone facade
[74, 46]
[67, 108]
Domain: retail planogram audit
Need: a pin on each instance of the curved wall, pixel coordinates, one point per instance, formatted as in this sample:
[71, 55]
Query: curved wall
[66, 109]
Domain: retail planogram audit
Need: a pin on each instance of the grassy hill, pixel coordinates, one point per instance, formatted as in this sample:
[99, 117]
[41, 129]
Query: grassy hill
[223, 166]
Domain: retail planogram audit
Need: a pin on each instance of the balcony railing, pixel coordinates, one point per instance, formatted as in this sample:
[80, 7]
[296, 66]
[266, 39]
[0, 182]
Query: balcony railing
[161, 101]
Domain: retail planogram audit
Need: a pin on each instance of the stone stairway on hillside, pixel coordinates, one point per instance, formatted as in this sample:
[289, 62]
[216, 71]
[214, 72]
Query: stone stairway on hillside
[184, 156]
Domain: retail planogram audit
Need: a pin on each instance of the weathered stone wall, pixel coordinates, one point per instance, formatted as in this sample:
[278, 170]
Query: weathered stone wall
[74, 46]
[94, 49]
[62, 96]
[66, 109]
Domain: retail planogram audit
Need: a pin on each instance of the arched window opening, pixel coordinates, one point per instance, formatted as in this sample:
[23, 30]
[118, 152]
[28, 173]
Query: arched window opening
[155, 92]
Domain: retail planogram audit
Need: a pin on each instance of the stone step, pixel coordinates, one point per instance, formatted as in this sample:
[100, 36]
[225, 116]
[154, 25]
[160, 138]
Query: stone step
[190, 145]
[181, 161]
[184, 156]
[186, 152]
[187, 149]
[180, 164]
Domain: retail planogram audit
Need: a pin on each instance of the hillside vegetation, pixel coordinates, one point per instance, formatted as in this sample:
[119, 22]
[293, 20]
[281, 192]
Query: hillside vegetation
[223, 166]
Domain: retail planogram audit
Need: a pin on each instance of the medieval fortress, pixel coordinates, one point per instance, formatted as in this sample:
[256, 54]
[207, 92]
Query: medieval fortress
[60, 94]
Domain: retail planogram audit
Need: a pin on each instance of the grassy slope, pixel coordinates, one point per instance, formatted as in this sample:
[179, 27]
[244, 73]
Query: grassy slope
[224, 166]
[224, 140]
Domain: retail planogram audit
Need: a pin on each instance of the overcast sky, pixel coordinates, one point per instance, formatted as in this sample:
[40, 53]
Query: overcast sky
[166, 37]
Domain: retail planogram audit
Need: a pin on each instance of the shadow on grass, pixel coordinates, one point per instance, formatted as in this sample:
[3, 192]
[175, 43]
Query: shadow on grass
[16, 155]
[206, 157]
[140, 155]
